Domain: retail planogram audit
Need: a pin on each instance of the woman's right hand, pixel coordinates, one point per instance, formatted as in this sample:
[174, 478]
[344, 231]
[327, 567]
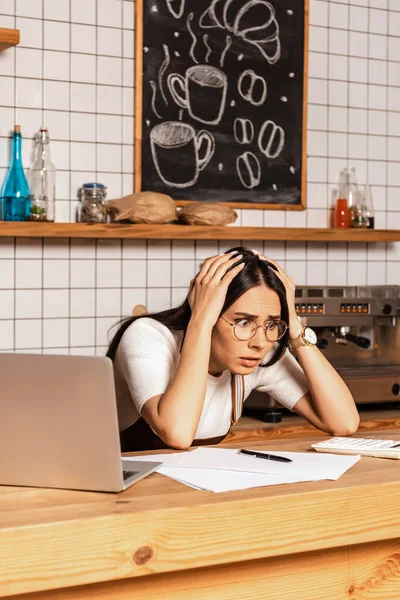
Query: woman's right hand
[208, 289]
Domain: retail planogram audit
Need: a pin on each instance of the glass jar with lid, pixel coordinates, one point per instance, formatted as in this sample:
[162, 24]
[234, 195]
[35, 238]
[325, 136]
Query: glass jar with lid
[92, 207]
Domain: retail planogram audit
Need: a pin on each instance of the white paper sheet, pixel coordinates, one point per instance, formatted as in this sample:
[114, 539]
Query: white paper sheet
[223, 481]
[222, 469]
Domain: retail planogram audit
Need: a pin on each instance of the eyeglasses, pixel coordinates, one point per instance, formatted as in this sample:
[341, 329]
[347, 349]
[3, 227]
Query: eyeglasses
[245, 329]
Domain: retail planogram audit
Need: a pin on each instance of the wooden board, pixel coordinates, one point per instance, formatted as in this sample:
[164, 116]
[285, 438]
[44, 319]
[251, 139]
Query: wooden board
[221, 101]
[159, 530]
[188, 232]
[362, 572]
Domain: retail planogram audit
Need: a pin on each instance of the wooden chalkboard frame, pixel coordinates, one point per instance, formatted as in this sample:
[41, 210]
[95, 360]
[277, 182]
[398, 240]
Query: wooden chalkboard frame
[138, 100]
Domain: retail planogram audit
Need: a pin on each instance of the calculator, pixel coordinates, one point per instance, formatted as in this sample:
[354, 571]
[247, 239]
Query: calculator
[362, 446]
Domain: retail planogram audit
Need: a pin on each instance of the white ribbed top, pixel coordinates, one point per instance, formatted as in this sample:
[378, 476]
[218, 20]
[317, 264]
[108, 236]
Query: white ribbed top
[146, 361]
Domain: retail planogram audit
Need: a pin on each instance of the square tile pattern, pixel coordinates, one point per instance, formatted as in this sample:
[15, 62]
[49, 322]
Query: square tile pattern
[73, 72]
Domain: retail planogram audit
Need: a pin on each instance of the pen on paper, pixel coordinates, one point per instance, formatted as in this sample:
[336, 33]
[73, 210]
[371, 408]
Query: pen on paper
[265, 455]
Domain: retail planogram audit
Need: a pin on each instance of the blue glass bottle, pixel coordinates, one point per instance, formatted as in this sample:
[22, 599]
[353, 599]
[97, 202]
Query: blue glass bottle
[15, 195]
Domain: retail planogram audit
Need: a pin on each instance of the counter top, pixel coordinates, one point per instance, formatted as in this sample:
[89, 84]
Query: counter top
[373, 417]
[162, 535]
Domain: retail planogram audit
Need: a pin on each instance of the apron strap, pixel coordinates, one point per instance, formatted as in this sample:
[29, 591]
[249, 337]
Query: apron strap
[140, 436]
[237, 384]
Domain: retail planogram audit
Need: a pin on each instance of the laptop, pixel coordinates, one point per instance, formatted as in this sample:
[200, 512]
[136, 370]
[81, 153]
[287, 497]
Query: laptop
[59, 426]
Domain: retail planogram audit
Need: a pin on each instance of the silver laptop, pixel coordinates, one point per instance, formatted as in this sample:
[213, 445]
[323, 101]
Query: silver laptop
[59, 427]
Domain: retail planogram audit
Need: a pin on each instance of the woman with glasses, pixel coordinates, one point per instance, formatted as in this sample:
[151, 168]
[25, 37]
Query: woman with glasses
[182, 375]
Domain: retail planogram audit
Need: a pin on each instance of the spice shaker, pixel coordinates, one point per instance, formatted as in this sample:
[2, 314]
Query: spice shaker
[358, 211]
[369, 206]
[92, 207]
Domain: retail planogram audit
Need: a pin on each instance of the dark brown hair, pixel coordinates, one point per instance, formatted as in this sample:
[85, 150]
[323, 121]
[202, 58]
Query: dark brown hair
[255, 272]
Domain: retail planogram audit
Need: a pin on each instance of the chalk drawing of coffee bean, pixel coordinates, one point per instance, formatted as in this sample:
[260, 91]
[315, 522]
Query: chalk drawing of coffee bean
[248, 169]
[243, 130]
[252, 87]
[271, 139]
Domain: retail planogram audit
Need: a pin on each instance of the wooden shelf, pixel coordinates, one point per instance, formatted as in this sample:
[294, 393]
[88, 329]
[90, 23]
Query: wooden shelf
[179, 232]
[8, 38]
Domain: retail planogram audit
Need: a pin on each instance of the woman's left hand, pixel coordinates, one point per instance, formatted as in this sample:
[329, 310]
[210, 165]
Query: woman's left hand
[295, 326]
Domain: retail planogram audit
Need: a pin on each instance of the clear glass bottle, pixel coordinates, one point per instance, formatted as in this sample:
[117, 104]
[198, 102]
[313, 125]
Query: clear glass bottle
[348, 187]
[346, 197]
[42, 178]
[368, 202]
[92, 207]
[15, 196]
[349, 190]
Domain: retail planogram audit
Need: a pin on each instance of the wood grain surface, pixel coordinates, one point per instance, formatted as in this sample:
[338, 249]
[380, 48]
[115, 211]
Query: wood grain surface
[194, 232]
[362, 572]
[162, 539]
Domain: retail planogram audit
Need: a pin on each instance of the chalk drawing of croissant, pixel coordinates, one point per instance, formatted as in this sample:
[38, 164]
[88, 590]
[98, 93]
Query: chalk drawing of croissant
[176, 7]
[239, 17]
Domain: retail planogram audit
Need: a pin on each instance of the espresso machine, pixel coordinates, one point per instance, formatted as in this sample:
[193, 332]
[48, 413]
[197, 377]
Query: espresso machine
[358, 330]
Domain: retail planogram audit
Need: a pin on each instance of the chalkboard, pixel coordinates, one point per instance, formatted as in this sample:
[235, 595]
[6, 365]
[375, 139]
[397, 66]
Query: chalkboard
[220, 101]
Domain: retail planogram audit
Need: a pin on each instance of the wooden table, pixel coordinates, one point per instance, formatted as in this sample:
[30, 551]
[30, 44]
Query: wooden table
[161, 540]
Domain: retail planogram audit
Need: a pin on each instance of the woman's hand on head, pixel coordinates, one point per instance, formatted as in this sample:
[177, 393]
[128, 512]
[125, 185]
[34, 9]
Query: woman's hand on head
[207, 292]
[290, 288]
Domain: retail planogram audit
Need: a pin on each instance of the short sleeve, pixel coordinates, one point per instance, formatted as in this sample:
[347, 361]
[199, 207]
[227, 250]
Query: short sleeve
[147, 357]
[284, 381]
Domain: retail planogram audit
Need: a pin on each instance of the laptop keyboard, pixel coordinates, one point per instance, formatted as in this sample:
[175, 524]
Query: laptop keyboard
[127, 474]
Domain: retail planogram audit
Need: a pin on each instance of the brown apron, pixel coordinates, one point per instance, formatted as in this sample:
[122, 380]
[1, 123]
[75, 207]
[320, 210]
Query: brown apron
[140, 436]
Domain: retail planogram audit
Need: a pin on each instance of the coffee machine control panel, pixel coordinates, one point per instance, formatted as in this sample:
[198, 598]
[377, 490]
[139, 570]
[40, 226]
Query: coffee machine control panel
[310, 309]
[368, 301]
[346, 308]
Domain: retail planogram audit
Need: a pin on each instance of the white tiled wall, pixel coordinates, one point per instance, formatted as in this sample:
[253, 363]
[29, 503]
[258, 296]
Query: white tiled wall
[73, 72]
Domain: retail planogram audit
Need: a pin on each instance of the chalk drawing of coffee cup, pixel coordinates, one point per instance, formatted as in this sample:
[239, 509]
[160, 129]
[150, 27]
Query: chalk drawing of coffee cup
[178, 154]
[202, 91]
